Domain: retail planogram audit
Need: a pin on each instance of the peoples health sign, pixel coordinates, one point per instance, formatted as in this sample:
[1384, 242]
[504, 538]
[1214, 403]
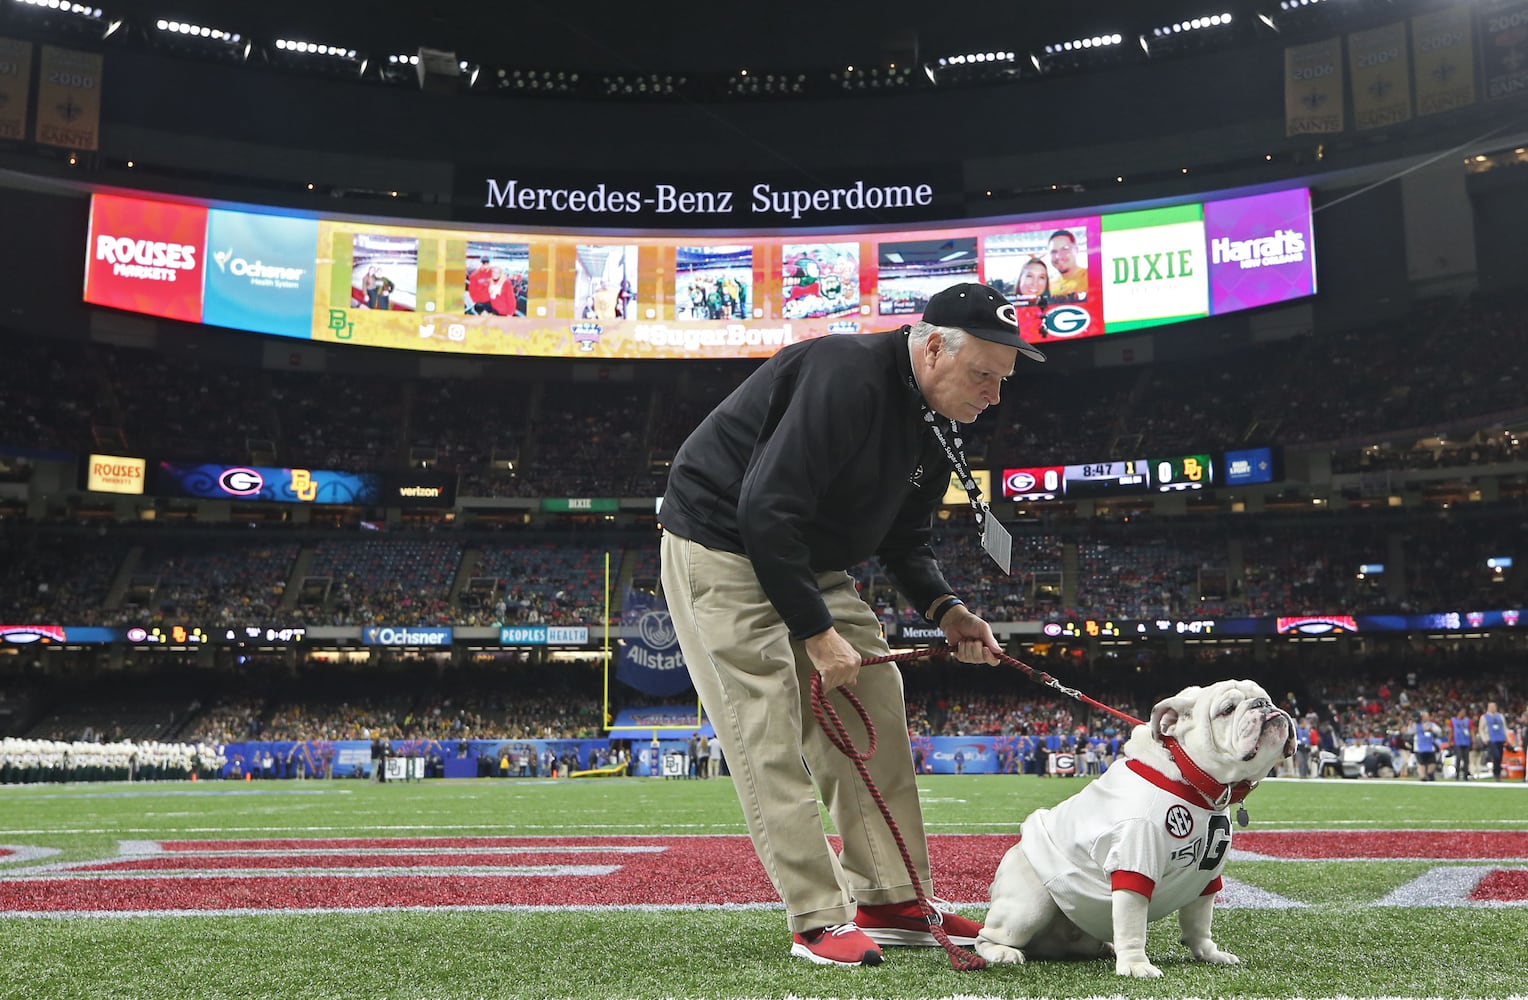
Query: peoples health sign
[543, 635]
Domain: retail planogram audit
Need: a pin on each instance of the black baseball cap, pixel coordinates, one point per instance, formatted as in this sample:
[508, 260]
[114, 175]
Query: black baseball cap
[981, 311]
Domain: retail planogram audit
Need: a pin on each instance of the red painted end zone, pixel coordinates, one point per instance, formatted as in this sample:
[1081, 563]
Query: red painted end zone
[298, 874]
[1329, 845]
[1503, 887]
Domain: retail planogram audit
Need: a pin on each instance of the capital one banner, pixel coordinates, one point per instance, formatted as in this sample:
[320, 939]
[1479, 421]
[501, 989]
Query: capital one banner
[1313, 88]
[1381, 76]
[650, 659]
[1443, 59]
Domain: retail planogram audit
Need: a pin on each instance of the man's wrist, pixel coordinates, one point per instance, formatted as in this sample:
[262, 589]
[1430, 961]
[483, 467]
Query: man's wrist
[941, 607]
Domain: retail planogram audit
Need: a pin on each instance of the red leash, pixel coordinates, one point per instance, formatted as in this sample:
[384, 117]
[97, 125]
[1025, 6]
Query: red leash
[833, 726]
[828, 719]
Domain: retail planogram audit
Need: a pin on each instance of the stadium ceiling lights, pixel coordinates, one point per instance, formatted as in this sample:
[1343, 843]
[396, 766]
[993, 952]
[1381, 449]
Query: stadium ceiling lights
[1079, 44]
[976, 58]
[77, 9]
[1296, 4]
[1193, 24]
[198, 31]
[314, 49]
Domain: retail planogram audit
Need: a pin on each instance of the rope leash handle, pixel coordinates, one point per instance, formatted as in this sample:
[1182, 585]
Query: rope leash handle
[828, 718]
[1039, 676]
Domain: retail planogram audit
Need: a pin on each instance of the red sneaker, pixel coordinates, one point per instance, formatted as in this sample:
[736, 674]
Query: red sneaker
[905, 924]
[841, 944]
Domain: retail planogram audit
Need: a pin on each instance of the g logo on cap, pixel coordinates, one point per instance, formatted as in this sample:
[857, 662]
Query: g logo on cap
[1008, 314]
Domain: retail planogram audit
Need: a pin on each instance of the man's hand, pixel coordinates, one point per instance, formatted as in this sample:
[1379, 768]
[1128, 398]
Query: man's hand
[836, 660]
[971, 637]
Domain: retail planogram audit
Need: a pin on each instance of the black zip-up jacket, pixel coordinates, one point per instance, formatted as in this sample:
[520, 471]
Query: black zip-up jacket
[818, 461]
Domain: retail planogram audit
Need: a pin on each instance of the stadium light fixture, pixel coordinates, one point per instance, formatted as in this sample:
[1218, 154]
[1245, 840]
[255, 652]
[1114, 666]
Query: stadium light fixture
[1193, 24]
[188, 30]
[62, 7]
[302, 48]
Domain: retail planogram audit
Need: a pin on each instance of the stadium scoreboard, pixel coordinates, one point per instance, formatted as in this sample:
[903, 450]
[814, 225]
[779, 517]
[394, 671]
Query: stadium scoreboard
[1139, 476]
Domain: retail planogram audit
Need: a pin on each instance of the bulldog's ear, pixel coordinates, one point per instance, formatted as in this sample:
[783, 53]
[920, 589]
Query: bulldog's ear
[1165, 714]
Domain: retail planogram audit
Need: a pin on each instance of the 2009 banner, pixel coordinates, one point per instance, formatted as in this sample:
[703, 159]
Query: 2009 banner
[651, 295]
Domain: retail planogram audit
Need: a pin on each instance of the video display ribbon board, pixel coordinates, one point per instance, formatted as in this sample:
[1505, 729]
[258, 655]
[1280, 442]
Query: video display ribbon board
[654, 294]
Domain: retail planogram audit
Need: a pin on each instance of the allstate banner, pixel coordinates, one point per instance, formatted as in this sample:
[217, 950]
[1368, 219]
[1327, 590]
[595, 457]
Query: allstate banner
[15, 87]
[650, 658]
[1313, 88]
[1381, 76]
[1443, 59]
[69, 98]
[1504, 47]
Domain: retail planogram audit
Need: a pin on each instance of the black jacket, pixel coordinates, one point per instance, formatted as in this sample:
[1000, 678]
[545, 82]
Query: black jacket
[818, 461]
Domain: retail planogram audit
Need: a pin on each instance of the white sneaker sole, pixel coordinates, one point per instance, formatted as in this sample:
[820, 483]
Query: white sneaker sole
[894, 937]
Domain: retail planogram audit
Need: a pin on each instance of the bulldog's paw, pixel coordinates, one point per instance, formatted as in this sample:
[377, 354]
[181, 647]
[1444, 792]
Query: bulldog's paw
[1205, 951]
[1137, 967]
[998, 954]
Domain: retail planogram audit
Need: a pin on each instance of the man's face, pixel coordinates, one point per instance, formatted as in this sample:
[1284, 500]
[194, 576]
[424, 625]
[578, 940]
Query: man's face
[1063, 254]
[960, 386]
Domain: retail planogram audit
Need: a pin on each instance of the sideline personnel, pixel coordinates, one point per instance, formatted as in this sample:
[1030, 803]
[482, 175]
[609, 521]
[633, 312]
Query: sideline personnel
[832, 451]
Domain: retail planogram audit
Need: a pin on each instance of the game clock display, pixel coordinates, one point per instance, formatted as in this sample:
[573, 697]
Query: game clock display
[1101, 479]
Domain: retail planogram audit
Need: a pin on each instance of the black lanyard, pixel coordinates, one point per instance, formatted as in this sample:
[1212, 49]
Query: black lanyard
[954, 450]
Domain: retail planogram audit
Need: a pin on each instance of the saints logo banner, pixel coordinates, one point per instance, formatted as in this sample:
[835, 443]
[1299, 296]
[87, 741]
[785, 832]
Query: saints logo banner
[1443, 56]
[650, 658]
[15, 87]
[1504, 47]
[1380, 63]
[1313, 88]
[69, 98]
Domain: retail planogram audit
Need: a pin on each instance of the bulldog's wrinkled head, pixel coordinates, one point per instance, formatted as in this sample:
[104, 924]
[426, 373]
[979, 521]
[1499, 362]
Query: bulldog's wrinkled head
[1231, 729]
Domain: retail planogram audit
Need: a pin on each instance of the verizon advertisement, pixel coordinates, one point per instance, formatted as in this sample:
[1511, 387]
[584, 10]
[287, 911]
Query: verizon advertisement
[114, 474]
[146, 257]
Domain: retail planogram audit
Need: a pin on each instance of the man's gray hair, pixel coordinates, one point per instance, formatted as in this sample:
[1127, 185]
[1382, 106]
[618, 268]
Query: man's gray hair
[954, 336]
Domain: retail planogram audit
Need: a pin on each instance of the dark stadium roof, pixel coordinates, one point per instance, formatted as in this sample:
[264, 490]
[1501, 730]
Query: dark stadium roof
[689, 37]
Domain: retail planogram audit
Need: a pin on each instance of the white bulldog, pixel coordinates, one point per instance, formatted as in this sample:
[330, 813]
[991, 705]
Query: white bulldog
[1147, 839]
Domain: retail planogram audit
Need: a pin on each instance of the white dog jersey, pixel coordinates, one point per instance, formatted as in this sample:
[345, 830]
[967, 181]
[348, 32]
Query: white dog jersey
[1135, 828]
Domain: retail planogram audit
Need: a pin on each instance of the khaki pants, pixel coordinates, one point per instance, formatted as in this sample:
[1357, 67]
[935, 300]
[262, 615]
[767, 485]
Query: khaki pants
[755, 685]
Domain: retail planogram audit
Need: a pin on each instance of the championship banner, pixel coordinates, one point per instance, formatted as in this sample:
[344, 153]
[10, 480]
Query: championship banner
[1504, 47]
[650, 658]
[69, 98]
[1313, 88]
[1380, 64]
[15, 87]
[1443, 57]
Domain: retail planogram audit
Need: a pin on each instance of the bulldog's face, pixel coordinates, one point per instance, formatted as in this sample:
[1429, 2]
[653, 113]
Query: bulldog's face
[1231, 729]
